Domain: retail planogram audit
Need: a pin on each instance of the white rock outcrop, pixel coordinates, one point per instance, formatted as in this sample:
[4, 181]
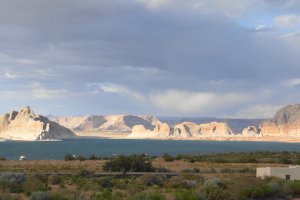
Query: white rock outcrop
[26, 125]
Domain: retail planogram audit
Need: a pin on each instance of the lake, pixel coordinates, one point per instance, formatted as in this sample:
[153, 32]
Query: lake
[56, 150]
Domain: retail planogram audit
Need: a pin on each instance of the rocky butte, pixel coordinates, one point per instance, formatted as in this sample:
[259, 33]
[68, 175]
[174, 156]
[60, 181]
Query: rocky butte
[286, 122]
[26, 125]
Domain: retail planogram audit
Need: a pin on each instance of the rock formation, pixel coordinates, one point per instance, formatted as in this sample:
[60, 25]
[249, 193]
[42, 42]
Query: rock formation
[139, 131]
[285, 122]
[26, 125]
[183, 130]
[215, 128]
[107, 123]
[162, 130]
[251, 131]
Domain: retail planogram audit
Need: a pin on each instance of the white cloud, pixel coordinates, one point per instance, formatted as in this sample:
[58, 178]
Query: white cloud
[10, 75]
[257, 111]
[42, 93]
[202, 103]
[98, 88]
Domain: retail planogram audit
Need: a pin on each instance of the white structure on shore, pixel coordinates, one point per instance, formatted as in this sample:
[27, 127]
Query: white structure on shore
[22, 158]
[287, 173]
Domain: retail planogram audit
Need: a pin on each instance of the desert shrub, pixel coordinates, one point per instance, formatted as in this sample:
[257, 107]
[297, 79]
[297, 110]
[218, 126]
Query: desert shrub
[93, 157]
[151, 179]
[2, 159]
[39, 196]
[211, 192]
[80, 158]
[12, 182]
[106, 182]
[35, 183]
[188, 195]
[294, 187]
[148, 196]
[134, 163]
[168, 158]
[215, 182]
[62, 195]
[262, 191]
[106, 194]
[55, 180]
[69, 157]
[191, 170]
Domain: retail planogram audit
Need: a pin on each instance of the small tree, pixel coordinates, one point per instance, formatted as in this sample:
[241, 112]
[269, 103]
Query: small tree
[133, 163]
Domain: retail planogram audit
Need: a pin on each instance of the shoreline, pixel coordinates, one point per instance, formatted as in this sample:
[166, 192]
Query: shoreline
[237, 138]
[124, 136]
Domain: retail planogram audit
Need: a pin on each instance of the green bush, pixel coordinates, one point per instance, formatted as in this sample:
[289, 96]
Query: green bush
[69, 157]
[106, 182]
[294, 187]
[133, 163]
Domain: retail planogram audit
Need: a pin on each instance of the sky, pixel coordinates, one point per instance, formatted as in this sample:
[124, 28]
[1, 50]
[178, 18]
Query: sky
[204, 58]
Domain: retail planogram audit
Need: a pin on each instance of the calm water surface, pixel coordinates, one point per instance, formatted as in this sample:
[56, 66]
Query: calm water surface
[106, 147]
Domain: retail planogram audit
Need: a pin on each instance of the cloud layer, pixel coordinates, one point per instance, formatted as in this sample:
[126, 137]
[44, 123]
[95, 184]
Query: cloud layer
[163, 57]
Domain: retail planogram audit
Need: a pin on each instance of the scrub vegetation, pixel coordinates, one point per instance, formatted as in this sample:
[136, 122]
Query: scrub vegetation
[141, 177]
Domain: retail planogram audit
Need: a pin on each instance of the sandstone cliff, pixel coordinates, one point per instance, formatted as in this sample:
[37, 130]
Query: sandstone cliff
[26, 125]
[183, 130]
[285, 122]
[107, 123]
[160, 131]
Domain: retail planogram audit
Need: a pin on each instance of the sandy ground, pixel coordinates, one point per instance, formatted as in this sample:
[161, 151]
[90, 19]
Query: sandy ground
[117, 135]
[107, 135]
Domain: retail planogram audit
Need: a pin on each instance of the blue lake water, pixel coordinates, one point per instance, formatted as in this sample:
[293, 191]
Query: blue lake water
[104, 147]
